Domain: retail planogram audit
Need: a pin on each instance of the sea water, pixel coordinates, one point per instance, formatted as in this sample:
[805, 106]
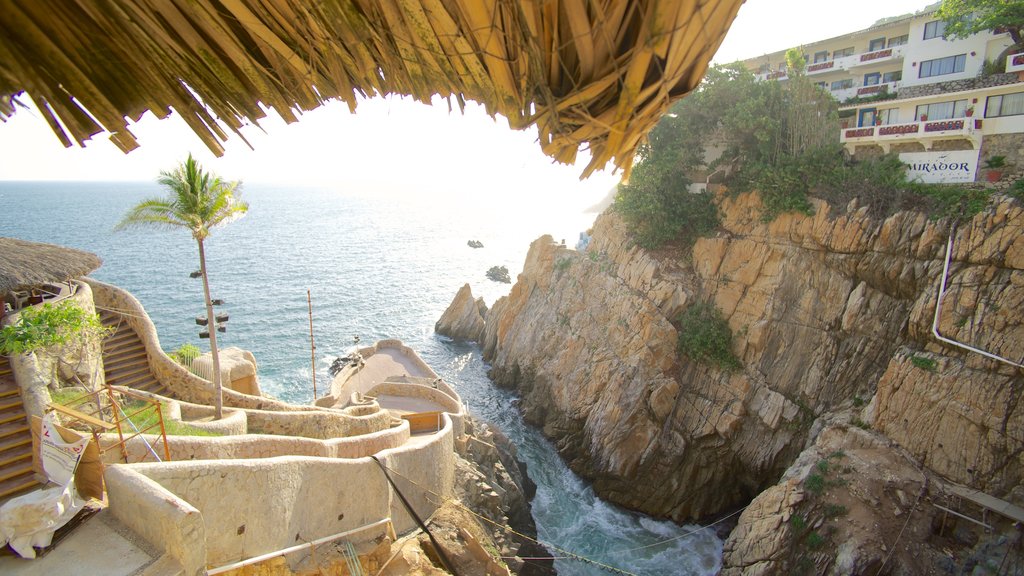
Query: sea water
[375, 266]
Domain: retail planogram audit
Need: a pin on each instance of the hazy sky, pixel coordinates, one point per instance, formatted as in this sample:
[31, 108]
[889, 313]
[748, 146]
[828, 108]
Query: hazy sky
[397, 144]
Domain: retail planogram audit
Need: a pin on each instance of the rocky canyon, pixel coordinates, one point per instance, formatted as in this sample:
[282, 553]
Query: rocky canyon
[840, 373]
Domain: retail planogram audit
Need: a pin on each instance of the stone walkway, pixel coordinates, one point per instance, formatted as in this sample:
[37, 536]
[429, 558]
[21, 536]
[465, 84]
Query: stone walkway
[101, 545]
[386, 363]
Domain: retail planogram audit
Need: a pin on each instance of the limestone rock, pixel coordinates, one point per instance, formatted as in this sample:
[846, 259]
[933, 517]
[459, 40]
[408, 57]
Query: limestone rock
[463, 319]
[238, 369]
[832, 513]
[825, 310]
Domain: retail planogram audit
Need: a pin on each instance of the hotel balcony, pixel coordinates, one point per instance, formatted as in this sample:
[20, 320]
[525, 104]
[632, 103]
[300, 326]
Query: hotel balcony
[864, 91]
[925, 132]
[873, 58]
[1015, 62]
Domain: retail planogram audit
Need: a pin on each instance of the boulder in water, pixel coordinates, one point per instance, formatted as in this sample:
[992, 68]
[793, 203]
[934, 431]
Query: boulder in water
[499, 274]
[464, 318]
[475, 244]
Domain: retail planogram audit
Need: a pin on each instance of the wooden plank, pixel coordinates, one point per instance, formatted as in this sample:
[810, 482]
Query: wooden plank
[82, 416]
[424, 421]
[994, 504]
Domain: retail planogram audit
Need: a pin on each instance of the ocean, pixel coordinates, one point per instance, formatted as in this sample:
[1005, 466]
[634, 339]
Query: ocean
[376, 266]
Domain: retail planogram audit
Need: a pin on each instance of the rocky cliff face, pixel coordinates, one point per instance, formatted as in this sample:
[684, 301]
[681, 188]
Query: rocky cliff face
[829, 314]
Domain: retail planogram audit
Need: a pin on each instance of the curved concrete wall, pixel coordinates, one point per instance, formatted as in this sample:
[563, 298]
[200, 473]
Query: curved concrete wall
[254, 506]
[453, 406]
[264, 415]
[188, 386]
[258, 446]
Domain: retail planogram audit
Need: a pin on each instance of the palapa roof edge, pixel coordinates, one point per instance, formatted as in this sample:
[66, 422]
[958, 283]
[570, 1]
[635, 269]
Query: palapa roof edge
[24, 263]
[596, 74]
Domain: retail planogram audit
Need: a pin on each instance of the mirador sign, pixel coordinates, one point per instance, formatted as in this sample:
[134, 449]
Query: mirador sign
[941, 167]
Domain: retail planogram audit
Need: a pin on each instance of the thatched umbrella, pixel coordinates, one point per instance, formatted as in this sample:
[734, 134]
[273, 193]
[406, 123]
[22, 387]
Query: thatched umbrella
[595, 73]
[24, 263]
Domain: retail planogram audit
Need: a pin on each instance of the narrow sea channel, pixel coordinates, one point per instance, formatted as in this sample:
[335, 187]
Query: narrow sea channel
[377, 267]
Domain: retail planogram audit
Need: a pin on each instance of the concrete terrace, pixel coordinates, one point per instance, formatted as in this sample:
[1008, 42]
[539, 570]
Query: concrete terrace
[225, 499]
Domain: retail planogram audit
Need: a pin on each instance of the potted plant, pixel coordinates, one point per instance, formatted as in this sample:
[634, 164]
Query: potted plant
[993, 164]
[970, 111]
[924, 117]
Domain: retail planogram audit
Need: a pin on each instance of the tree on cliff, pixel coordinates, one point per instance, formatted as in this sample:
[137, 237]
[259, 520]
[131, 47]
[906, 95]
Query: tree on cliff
[197, 201]
[964, 18]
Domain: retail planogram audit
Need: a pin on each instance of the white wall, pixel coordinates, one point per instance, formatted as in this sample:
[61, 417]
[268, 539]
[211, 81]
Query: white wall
[920, 50]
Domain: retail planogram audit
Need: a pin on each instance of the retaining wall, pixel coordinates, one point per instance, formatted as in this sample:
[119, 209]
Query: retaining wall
[249, 507]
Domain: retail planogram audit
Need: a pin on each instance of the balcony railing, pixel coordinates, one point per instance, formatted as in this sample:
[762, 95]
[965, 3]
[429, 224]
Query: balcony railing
[864, 91]
[1015, 62]
[872, 58]
[913, 132]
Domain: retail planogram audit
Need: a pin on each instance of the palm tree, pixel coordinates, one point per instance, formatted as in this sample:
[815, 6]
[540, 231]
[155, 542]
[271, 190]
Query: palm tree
[198, 201]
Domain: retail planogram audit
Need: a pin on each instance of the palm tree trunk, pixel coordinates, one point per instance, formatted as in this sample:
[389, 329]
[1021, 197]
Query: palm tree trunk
[212, 327]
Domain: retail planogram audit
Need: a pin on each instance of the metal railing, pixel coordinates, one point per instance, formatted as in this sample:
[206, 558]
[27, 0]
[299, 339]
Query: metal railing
[106, 410]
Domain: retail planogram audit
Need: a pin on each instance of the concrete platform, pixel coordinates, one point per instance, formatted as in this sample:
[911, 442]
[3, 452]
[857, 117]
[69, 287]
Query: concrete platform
[101, 545]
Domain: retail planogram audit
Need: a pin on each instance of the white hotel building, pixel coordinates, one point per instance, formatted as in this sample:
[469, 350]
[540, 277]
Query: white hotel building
[904, 88]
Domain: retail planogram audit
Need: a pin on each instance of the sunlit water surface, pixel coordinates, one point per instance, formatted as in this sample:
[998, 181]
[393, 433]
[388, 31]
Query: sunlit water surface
[377, 267]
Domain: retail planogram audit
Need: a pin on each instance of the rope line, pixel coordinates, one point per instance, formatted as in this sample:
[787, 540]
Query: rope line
[567, 554]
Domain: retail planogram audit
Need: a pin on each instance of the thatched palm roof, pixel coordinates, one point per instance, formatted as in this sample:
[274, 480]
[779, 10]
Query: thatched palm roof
[24, 263]
[587, 72]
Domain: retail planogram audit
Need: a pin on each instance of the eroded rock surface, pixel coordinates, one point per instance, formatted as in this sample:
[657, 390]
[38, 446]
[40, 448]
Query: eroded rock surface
[825, 312]
[464, 317]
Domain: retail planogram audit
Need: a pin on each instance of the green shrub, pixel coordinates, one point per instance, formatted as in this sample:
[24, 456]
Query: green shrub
[814, 540]
[705, 337]
[923, 363]
[49, 325]
[815, 483]
[145, 420]
[185, 354]
[1017, 190]
[835, 510]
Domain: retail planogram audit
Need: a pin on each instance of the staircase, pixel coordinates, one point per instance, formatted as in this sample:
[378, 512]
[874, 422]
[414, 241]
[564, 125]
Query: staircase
[124, 358]
[16, 476]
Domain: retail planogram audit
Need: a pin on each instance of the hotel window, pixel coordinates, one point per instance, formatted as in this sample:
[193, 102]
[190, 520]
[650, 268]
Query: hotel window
[843, 52]
[889, 116]
[872, 79]
[898, 40]
[942, 110]
[934, 29]
[941, 66]
[821, 56]
[1005, 105]
[842, 84]
[892, 76]
[876, 44]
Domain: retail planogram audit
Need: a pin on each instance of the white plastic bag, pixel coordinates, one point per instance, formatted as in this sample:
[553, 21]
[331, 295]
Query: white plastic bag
[30, 520]
[59, 458]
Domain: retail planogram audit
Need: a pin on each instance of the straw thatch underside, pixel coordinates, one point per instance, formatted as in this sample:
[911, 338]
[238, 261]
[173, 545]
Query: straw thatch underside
[24, 263]
[597, 73]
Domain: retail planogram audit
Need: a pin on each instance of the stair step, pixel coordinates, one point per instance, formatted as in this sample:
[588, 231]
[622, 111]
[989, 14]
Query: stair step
[8, 472]
[15, 442]
[10, 401]
[125, 355]
[12, 416]
[17, 486]
[8, 389]
[16, 454]
[12, 428]
[126, 371]
[132, 382]
[121, 338]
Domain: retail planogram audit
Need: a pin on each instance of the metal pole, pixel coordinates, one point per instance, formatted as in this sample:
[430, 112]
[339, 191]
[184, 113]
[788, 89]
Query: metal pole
[312, 345]
[282, 552]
